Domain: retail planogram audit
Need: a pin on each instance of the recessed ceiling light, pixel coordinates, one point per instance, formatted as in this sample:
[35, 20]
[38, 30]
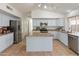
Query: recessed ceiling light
[39, 5]
[45, 6]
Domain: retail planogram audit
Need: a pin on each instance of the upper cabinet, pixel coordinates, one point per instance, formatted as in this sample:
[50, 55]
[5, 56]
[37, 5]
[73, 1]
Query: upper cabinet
[4, 20]
[60, 22]
[50, 21]
[0, 20]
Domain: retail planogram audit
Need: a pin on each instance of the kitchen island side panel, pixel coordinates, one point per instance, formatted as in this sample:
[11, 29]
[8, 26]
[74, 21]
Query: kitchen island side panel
[37, 44]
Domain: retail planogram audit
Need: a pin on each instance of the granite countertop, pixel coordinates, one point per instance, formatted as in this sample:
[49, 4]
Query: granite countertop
[6, 33]
[37, 33]
[63, 31]
[75, 34]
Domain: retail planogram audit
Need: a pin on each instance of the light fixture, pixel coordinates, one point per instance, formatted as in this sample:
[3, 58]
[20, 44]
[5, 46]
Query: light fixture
[45, 6]
[39, 5]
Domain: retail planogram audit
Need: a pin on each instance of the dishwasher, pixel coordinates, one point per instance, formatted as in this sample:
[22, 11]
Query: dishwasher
[73, 43]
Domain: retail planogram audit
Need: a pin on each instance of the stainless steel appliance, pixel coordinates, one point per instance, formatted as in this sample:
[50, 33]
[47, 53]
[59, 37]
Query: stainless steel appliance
[73, 43]
[15, 26]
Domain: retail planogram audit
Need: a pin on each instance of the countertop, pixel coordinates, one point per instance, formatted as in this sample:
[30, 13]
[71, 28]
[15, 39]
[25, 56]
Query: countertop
[6, 33]
[75, 34]
[63, 32]
[37, 33]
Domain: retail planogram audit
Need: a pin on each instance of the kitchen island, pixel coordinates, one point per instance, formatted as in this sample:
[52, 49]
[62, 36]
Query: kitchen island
[39, 42]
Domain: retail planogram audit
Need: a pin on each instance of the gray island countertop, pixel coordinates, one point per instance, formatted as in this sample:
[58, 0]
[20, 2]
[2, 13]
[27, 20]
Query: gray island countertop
[38, 33]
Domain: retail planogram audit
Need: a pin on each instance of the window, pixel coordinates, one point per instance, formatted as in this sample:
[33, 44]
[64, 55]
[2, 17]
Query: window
[74, 23]
[77, 25]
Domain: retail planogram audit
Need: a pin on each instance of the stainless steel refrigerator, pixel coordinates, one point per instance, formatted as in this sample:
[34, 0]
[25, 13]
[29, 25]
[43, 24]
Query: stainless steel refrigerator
[15, 26]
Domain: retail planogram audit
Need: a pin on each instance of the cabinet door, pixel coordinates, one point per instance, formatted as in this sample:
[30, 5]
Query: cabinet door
[9, 39]
[0, 19]
[34, 22]
[63, 37]
[3, 44]
[5, 20]
[6, 41]
[52, 22]
[60, 22]
[37, 23]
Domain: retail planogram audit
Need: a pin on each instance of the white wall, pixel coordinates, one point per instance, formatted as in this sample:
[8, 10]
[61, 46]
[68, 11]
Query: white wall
[30, 26]
[45, 14]
[26, 26]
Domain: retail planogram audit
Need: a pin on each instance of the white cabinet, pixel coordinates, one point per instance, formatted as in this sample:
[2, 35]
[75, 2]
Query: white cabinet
[6, 41]
[63, 37]
[4, 20]
[60, 22]
[0, 20]
[36, 22]
[51, 22]
[54, 33]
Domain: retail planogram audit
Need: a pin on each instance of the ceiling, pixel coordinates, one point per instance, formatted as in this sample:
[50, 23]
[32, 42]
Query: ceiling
[63, 8]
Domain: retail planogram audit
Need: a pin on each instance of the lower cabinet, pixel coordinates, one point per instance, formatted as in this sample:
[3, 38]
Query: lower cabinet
[54, 33]
[63, 37]
[6, 41]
